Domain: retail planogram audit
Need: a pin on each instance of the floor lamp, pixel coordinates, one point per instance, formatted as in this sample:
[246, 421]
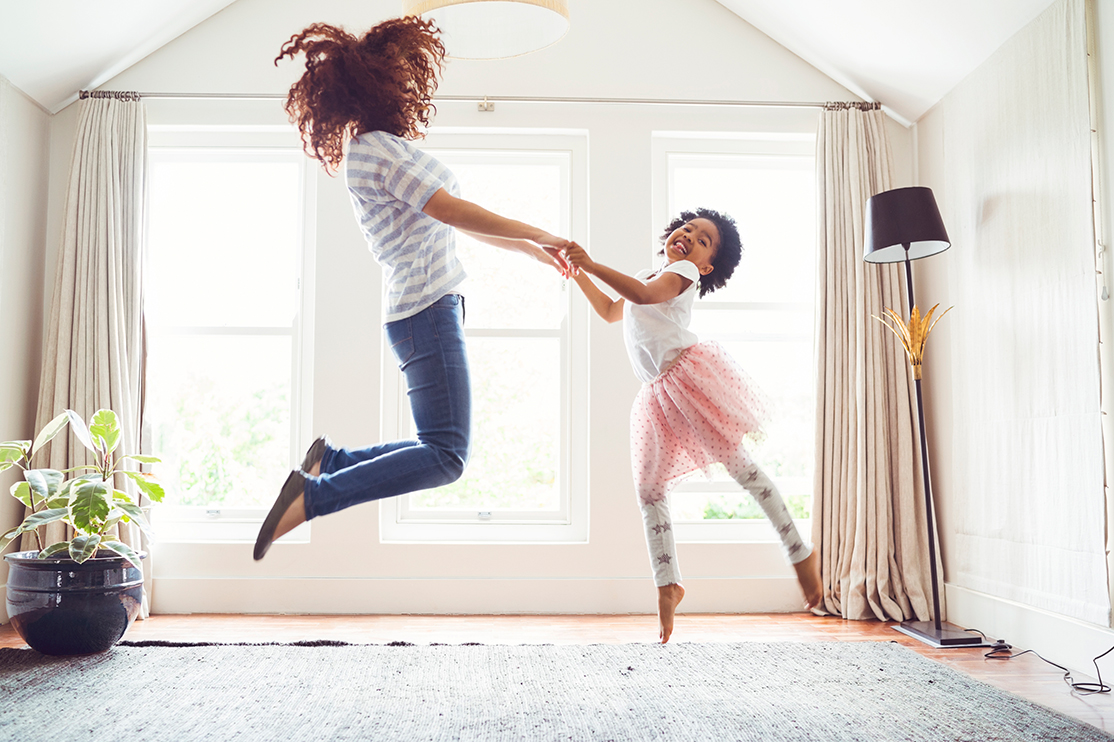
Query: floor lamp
[902, 225]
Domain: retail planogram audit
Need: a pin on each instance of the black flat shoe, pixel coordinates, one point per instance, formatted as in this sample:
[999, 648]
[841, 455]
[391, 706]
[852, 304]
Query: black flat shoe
[315, 453]
[294, 486]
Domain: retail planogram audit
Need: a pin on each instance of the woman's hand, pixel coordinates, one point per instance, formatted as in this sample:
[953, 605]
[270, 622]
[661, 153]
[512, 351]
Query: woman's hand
[555, 257]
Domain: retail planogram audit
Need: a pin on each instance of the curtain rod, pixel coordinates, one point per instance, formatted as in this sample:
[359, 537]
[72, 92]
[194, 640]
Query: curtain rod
[490, 99]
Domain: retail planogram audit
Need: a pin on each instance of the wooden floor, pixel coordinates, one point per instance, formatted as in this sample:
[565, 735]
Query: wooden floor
[1025, 676]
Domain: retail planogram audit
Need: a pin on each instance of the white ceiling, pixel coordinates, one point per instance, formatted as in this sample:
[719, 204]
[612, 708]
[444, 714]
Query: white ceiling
[907, 54]
[53, 48]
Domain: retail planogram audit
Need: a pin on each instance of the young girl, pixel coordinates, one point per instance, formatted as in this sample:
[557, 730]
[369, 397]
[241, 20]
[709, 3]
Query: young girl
[696, 407]
[361, 101]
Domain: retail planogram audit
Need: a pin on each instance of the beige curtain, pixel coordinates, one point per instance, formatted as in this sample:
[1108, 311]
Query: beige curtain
[93, 345]
[868, 506]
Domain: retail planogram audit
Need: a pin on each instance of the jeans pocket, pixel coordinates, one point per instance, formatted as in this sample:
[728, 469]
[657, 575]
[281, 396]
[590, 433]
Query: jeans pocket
[400, 334]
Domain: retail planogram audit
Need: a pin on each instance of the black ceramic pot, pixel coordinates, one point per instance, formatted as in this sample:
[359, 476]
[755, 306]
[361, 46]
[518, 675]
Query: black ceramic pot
[61, 607]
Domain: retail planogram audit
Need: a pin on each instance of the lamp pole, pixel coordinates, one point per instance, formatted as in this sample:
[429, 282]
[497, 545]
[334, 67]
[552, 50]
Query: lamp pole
[924, 464]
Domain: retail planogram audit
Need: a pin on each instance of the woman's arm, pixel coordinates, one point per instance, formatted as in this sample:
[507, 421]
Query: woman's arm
[663, 288]
[610, 309]
[469, 217]
[550, 256]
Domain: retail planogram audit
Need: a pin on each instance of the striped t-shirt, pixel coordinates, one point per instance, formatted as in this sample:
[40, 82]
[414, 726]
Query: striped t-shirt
[390, 181]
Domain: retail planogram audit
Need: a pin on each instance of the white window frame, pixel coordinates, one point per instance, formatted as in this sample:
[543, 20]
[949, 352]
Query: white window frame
[398, 523]
[666, 146]
[200, 524]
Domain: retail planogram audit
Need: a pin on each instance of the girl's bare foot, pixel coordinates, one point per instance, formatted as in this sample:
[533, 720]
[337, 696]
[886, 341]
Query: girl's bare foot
[808, 574]
[668, 598]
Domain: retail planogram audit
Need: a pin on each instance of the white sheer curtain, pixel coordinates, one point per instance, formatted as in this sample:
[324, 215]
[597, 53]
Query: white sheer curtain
[868, 506]
[93, 345]
[1026, 498]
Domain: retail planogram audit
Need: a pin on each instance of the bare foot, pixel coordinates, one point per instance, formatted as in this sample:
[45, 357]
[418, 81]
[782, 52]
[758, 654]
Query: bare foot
[808, 574]
[669, 596]
[315, 470]
[294, 516]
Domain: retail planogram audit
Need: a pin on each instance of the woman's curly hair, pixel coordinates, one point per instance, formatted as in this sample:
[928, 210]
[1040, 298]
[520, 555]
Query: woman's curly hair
[383, 81]
[728, 254]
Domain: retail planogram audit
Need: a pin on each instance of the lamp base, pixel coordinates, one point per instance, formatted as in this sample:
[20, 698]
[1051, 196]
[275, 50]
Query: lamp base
[946, 637]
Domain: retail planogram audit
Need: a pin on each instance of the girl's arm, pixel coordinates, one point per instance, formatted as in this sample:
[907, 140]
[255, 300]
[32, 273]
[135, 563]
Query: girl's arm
[610, 309]
[550, 256]
[663, 288]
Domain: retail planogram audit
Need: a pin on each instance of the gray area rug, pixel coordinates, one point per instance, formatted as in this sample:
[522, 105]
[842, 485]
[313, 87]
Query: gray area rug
[334, 691]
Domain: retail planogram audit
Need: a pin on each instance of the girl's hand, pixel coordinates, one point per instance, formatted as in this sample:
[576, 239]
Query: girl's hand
[578, 258]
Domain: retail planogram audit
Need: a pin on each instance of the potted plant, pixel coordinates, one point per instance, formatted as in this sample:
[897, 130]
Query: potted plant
[79, 595]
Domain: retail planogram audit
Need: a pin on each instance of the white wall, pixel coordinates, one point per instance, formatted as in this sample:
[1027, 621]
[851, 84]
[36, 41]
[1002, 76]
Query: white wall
[24, 153]
[950, 373]
[620, 48]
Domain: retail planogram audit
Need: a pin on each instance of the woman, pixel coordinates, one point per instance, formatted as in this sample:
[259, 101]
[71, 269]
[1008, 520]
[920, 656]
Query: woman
[373, 95]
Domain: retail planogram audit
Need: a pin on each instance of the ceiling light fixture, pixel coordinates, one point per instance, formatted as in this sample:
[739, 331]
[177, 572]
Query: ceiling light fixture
[494, 29]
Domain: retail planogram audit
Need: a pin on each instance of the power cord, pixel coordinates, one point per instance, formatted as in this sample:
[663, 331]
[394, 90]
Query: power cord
[1000, 650]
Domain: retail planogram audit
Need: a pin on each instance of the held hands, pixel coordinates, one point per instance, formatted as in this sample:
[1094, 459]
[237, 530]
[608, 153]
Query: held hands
[552, 252]
[577, 257]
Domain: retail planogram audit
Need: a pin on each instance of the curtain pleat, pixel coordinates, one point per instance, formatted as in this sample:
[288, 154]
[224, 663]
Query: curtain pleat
[93, 350]
[868, 508]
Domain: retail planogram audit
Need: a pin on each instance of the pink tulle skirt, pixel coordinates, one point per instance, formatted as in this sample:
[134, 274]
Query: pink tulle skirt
[698, 412]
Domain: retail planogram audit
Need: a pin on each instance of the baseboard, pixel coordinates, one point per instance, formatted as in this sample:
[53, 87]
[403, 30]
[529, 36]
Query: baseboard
[467, 596]
[1063, 640]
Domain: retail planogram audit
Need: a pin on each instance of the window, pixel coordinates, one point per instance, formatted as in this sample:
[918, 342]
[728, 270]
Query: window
[763, 317]
[225, 311]
[527, 347]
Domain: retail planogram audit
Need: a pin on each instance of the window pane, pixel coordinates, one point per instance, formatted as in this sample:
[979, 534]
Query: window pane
[219, 411]
[224, 238]
[772, 200]
[516, 423]
[506, 290]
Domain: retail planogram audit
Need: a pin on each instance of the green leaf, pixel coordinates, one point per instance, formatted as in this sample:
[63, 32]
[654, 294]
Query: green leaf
[59, 502]
[9, 537]
[84, 546]
[54, 549]
[147, 484]
[41, 518]
[52, 428]
[120, 496]
[5, 465]
[142, 459]
[89, 506]
[125, 551]
[81, 431]
[12, 451]
[105, 425]
[22, 492]
[136, 516]
[44, 482]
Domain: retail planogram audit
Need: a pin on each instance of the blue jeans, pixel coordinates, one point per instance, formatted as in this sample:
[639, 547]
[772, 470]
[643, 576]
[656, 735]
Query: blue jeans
[432, 356]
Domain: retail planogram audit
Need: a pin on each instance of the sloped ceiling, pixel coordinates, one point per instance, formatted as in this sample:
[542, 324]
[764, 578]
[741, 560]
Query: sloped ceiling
[51, 49]
[906, 54]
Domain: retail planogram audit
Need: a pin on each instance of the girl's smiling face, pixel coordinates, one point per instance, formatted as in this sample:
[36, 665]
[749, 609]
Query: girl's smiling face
[695, 241]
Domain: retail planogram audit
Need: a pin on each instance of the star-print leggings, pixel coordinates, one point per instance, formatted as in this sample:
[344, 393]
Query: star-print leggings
[698, 412]
[653, 499]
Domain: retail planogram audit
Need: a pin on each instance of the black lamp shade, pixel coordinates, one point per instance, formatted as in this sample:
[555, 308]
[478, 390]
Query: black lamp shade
[903, 219]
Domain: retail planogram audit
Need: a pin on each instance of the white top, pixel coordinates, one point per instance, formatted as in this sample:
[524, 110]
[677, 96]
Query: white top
[390, 181]
[657, 333]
